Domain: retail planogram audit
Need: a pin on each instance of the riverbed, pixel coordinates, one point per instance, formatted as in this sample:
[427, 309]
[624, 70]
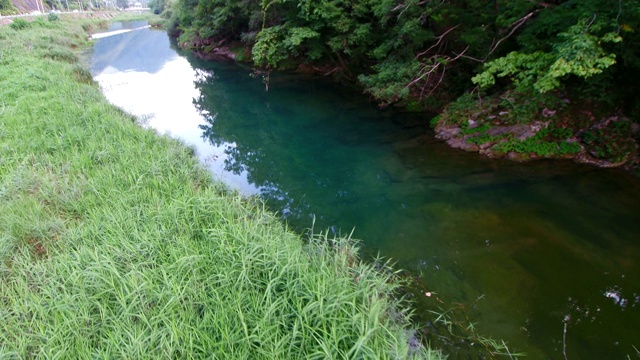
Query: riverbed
[543, 255]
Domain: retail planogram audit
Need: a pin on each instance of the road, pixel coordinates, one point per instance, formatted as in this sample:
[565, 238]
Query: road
[38, 13]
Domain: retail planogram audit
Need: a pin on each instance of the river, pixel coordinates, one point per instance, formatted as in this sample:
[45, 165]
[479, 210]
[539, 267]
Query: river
[543, 255]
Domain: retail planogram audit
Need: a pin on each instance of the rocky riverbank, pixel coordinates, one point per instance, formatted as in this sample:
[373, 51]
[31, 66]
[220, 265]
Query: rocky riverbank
[567, 130]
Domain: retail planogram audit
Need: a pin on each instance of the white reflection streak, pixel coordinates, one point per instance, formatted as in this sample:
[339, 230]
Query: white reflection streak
[165, 99]
[116, 32]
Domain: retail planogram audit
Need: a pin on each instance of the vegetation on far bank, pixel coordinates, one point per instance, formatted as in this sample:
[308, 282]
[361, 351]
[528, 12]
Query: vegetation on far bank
[115, 242]
[566, 66]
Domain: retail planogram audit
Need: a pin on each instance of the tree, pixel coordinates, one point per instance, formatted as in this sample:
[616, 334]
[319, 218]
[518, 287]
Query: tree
[415, 50]
[578, 50]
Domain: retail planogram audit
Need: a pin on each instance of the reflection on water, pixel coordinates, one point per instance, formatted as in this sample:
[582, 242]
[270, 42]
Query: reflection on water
[136, 51]
[139, 72]
[550, 248]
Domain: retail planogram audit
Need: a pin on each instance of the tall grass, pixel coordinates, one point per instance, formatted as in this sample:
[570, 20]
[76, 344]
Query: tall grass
[115, 243]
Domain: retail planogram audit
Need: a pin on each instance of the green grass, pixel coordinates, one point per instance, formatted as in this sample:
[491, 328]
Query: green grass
[115, 243]
[542, 144]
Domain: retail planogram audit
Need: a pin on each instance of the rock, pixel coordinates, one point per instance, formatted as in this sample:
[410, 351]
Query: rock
[486, 145]
[447, 132]
[604, 123]
[548, 113]
[517, 130]
[224, 51]
[539, 125]
[461, 143]
[518, 156]
[585, 158]
[472, 124]
[223, 54]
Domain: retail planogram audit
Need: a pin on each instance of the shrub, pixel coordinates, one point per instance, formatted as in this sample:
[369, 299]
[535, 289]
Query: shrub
[19, 24]
[7, 8]
[53, 17]
[613, 142]
[61, 54]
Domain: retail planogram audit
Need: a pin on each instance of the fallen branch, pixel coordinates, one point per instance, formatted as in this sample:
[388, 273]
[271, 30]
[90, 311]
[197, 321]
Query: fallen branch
[332, 71]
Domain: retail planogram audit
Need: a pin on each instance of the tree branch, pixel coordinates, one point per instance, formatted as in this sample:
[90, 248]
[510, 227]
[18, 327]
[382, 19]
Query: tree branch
[438, 42]
[428, 70]
[543, 4]
[515, 26]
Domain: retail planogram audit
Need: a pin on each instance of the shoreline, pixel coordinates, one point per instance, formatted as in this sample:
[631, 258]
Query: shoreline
[528, 140]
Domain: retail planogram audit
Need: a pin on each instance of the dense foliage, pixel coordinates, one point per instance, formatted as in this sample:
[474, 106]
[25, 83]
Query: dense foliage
[399, 50]
[7, 8]
[427, 53]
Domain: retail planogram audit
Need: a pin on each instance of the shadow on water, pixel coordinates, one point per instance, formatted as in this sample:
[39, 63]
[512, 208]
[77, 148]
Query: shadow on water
[520, 249]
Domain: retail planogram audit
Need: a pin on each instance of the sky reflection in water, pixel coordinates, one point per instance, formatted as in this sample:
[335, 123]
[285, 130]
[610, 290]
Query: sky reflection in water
[157, 88]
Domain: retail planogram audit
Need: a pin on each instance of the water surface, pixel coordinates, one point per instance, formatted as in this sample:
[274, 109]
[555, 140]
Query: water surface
[543, 255]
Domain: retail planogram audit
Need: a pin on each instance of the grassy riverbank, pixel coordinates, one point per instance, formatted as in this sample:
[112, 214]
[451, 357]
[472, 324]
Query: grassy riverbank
[114, 242]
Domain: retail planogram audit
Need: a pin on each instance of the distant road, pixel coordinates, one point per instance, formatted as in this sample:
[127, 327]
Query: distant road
[38, 13]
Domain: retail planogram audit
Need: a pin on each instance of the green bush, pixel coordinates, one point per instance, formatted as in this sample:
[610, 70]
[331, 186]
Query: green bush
[157, 22]
[542, 144]
[434, 121]
[560, 133]
[19, 24]
[40, 22]
[7, 8]
[53, 17]
[458, 111]
[613, 142]
[61, 54]
[466, 130]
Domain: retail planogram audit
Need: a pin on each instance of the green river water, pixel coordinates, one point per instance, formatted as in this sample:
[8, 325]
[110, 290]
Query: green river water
[543, 255]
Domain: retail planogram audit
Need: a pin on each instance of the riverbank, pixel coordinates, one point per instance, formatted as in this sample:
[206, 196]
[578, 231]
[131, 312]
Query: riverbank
[117, 243]
[550, 127]
[545, 127]
[555, 127]
[504, 60]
